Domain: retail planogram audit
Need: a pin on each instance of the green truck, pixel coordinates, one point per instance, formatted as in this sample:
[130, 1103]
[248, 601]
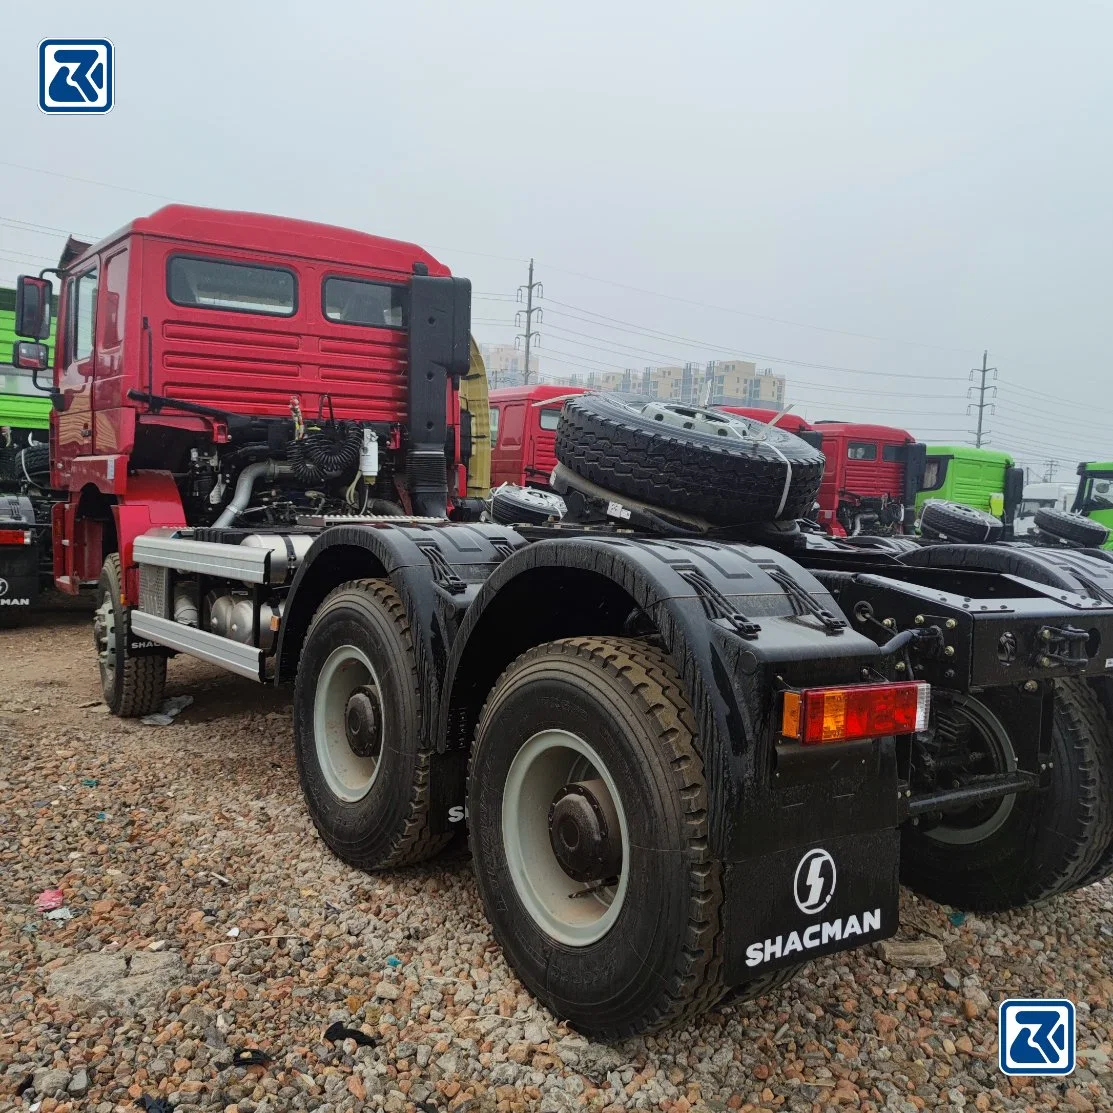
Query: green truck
[983, 478]
[24, 411]
[1094, 497]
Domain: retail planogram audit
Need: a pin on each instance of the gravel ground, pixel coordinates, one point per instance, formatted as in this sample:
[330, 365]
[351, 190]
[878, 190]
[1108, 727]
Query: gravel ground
[207, 918]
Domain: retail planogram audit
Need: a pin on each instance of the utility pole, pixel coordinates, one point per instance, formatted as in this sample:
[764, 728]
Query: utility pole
[982, 405]
[1052, 467]
[528, 313]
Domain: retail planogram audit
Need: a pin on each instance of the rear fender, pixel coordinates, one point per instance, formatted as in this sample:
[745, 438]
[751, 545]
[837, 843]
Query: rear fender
[731, 631]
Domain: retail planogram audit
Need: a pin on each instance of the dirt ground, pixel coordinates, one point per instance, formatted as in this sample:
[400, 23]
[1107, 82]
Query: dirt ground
[205, 917]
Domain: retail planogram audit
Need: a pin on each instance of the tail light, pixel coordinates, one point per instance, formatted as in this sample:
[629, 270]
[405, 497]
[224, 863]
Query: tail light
[813, 716]
[15, 537]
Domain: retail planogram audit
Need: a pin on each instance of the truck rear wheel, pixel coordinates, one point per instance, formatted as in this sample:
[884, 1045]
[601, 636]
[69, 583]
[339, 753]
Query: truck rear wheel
[357, 730]
[1028, 846]
[588, 831]
[131, 686]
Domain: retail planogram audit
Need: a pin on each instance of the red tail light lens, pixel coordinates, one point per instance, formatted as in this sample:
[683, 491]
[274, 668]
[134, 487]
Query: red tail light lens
[817, 715]
[15, 537]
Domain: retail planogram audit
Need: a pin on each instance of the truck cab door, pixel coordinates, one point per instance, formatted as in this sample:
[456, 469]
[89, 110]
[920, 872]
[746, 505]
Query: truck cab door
[76, 334]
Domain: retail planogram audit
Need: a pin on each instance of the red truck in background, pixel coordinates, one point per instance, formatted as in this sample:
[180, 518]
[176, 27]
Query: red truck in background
[872, 475]
[220, 368]
[523, 433]
[869, 485]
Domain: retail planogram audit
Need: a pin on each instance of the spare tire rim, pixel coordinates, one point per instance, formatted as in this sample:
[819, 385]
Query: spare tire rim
[991, 740]
[348, 723]
[576, 913]
[713, 423]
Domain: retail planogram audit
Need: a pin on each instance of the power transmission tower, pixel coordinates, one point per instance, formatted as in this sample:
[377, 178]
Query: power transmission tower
[528, 313]
[982, 405]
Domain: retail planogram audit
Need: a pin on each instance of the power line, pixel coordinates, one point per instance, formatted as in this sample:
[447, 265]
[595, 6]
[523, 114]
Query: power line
[655, 334]
[85, 181]
[754, 316]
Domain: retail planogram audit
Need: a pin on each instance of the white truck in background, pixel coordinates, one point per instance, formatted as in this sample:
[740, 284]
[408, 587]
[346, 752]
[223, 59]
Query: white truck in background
[1055, 496]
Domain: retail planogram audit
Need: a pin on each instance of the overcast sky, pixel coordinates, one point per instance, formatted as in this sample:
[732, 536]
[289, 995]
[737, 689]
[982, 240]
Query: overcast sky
[882, 187]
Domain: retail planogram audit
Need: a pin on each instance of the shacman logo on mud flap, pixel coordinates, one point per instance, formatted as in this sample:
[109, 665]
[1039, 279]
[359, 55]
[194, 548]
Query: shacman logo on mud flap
[5, 601]
[815, 881]
[813, 887]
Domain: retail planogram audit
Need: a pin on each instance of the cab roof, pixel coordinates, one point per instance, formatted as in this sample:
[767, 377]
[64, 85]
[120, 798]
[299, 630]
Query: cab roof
[889, 433]
[275, 235]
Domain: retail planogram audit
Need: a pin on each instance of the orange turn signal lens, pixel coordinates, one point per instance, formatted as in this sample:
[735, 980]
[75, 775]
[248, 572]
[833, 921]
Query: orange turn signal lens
[813, 716]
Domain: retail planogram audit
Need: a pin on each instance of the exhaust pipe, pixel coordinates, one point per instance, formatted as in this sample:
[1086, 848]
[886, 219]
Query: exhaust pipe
[245, 486]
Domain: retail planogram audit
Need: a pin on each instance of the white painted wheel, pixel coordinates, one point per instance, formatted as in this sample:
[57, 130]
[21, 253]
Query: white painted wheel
[572, 912]
[348, 723]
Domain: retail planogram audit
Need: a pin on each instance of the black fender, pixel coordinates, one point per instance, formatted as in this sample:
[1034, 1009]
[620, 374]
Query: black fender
[1087, 572]
[437, 570]
[737, 622]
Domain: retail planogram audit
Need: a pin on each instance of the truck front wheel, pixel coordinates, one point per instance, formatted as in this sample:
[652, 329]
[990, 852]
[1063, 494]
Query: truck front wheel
[588, 828]
[131, 686]
[357, 730]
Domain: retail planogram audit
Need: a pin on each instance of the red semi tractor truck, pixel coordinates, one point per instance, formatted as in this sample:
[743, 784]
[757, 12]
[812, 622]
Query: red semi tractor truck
[217, 368]
[694, 745]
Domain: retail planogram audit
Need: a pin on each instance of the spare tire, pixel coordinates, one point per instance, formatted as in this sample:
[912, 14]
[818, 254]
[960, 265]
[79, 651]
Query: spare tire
[952, 521]
[721, 467]
[1071, 527]
[511, 504]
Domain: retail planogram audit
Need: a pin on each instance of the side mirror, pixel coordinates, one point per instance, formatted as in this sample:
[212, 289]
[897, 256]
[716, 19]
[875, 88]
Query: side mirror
[27, 355]
[32, 307]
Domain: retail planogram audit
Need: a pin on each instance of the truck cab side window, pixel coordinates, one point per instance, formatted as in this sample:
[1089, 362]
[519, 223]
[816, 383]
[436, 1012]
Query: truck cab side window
[494, 426]
[83, 316]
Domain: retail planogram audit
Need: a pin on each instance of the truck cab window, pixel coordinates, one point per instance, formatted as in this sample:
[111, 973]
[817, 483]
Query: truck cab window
[494, 426]
[859, 450]
[83, 316]
[550, 419]
[353, 301]
[241, 287]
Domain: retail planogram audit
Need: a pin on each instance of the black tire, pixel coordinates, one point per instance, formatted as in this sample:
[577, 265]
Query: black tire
[1071, 527]
[1046, 841]
[665, 455]
[952, 521]
[1102, 728]
[389, 825]
[131, 686]
[660, 960]
[511, 504]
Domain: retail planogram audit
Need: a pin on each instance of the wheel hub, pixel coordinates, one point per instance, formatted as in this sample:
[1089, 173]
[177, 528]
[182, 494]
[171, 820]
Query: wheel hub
[584, 831]
[363, 722]
[104, 634]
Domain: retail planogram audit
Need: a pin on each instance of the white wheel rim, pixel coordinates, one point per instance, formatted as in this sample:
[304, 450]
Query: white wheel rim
[348, 775]
[548, 761]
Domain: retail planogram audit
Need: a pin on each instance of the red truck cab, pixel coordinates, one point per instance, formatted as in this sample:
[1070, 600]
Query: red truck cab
[871, 478]
[195, 343]
[523, 433]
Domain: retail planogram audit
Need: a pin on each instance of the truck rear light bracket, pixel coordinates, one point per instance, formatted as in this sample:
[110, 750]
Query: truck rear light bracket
[991, 788]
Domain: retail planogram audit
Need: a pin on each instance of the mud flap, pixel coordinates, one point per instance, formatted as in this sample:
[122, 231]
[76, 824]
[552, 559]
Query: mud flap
[19, 577]
[794, 905]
